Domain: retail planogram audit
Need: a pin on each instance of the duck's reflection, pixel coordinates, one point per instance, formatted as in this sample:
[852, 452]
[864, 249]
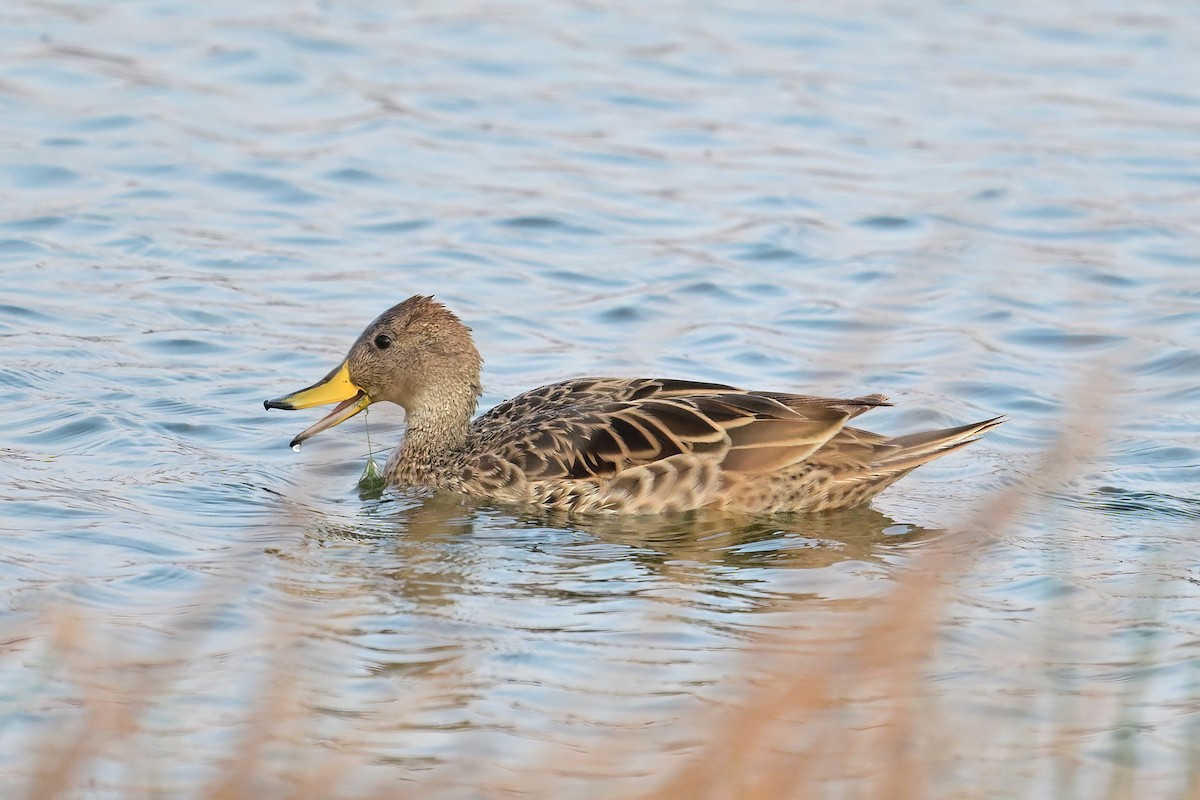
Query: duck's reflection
[430, 549]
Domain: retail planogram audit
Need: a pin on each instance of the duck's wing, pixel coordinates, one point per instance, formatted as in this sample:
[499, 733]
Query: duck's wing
[597, 427]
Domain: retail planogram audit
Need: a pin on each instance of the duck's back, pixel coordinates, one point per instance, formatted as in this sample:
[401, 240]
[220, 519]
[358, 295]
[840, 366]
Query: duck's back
[651, 445]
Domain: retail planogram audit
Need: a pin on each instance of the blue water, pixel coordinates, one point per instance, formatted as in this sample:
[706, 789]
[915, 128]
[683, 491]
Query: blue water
[973, 209]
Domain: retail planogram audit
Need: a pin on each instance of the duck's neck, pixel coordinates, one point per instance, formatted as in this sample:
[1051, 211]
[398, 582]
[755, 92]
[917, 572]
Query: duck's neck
[437, 428]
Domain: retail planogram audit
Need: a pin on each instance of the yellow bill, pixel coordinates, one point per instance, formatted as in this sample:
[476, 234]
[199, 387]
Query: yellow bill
[336, 387]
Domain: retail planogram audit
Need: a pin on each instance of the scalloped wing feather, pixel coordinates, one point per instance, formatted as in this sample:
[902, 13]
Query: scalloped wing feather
[598, 428]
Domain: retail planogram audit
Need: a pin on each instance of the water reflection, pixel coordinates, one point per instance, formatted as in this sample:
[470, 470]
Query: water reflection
[436, 549]
[746, 540]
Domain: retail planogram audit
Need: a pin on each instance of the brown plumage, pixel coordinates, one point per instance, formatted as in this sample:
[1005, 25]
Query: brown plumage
[628, 445]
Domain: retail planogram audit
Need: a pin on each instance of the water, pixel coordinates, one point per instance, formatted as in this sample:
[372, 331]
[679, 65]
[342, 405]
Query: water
[976, 210]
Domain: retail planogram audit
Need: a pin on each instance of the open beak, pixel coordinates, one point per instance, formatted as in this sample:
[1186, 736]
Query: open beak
[336, 387]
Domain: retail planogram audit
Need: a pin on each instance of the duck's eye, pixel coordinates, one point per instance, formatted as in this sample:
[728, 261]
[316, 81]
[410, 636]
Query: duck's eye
[383, 341]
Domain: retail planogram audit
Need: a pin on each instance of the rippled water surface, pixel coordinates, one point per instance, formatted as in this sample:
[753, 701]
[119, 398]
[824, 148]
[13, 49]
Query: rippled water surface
[976, 209]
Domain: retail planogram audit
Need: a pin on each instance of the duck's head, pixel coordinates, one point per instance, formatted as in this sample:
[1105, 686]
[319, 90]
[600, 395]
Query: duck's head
[416, 354]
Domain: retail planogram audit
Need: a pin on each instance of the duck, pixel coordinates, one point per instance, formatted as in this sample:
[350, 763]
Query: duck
[609, 445]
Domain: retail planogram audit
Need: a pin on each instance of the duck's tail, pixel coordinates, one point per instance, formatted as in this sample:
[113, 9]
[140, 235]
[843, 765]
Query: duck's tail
[909, 452]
